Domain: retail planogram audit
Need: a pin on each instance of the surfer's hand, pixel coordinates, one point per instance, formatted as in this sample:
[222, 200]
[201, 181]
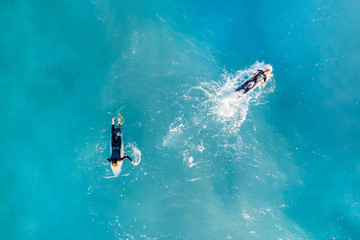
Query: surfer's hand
[113, 121]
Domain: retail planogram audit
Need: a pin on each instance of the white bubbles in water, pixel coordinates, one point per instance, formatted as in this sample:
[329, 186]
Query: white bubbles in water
[188, 160]
[176, 128]
[177, 125]
[223, 104]
[213, 112]
[135, 153]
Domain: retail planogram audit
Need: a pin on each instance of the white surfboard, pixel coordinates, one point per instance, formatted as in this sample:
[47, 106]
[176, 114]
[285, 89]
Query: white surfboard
[116, 168]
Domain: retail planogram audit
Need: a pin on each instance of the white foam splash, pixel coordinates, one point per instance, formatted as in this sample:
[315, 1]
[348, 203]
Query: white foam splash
[135, 153]
[215, 113]
[177, 125]
[195, 179]
[247, 217]
[188, 160]
[223, 104]
[176, 128]
[201, 146]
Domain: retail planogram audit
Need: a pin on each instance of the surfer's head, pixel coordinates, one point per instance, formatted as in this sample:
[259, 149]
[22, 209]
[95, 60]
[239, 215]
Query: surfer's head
[118, 134]
[114, 164]
[268, 70]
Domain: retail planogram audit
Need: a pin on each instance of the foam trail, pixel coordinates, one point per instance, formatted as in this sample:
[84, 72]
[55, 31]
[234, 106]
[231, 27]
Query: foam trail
[222, 104]
[216, 112]
[111, 176]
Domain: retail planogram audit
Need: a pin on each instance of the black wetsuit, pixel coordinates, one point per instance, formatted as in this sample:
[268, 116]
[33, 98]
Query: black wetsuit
[252, 82]
[116, 145]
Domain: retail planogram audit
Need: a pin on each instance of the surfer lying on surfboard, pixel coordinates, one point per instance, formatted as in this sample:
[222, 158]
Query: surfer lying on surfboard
[260, 76]
[117, 148]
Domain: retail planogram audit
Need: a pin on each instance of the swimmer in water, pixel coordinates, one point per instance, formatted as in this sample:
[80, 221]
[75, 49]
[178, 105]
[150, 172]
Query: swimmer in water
[260, 76]
[117, 149]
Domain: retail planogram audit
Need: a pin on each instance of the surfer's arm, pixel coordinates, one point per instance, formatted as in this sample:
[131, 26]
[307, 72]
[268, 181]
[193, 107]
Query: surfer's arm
[127, 158]
[113, 128]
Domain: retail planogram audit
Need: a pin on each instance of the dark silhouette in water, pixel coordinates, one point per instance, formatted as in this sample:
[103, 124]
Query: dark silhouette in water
[260, 76]
[116, 145]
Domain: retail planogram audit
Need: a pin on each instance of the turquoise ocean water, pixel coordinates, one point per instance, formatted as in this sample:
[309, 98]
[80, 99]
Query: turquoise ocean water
[283, 163]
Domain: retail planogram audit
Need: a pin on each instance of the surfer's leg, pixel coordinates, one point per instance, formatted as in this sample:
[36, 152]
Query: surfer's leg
[113, 128]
